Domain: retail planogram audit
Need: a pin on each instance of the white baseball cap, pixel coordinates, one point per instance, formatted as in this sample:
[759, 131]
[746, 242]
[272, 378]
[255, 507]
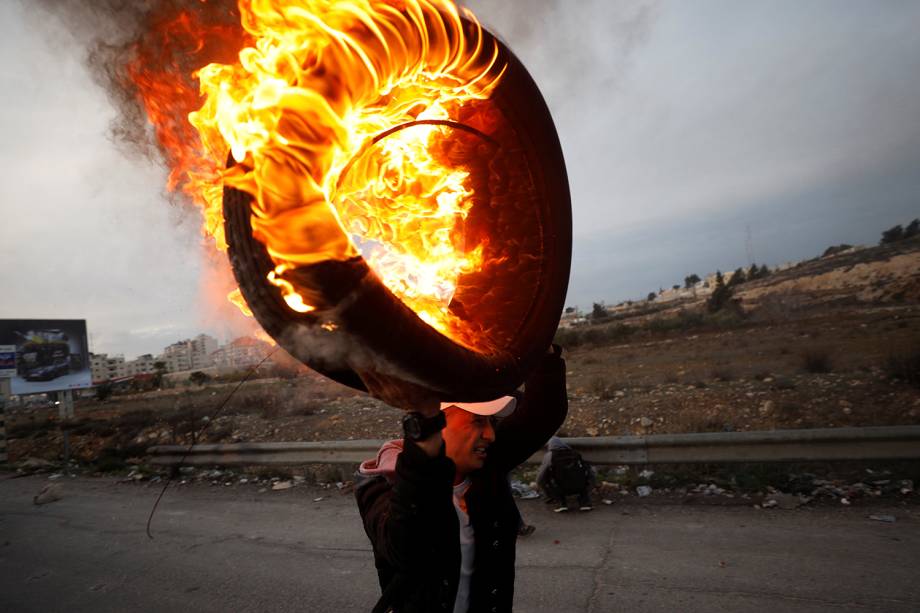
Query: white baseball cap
[500, 407]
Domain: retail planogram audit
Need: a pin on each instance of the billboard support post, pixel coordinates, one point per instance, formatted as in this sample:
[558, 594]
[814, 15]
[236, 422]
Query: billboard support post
[65, 413]
[4, 394]
[65, 408]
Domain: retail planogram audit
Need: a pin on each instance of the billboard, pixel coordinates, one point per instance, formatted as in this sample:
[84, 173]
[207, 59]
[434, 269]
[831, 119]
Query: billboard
[49, 354]
[7, 361]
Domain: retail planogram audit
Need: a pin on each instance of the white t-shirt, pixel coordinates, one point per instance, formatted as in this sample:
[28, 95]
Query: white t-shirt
[462, 603]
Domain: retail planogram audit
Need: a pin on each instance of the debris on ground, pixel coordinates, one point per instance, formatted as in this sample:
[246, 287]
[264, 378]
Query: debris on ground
[282, 485]
[784, 501]
[523, 491]
[888, 519]
[643, 491]
[50, 493]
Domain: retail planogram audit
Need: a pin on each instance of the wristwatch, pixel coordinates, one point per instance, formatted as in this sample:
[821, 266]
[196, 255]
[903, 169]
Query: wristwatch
[417, 427]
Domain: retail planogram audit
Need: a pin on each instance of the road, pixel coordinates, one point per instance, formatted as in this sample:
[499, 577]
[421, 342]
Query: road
[235, 549]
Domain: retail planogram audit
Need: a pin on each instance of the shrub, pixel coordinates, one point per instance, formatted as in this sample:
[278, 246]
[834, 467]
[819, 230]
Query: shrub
[816, 361]
[835, 249]
[199, 378]
[103, 391]
[904, 366]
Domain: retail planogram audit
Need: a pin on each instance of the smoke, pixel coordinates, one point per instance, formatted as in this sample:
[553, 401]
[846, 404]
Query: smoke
[572, 49]
[127, 44]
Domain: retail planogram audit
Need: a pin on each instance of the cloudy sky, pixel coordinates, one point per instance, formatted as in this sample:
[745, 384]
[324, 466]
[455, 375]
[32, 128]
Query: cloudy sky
[683, 125]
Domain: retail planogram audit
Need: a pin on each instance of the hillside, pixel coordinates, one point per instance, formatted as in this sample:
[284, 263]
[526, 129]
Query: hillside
[833, 341]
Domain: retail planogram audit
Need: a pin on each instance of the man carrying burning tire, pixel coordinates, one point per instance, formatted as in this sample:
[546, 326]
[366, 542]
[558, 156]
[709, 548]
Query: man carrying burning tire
[437, 506]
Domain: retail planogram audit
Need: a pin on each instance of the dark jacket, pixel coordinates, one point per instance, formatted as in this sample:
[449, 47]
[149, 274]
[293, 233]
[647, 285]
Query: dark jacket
[409, 514]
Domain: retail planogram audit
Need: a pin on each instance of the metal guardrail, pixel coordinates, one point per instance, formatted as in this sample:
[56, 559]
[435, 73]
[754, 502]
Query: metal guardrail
[822, 444]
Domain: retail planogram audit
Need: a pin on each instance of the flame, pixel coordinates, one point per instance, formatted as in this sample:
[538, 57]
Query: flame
[336, 112]
[236, 297]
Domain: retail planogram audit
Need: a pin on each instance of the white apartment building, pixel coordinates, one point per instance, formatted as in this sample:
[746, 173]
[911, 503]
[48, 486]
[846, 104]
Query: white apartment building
[189, 354]
[106, 368]
[142, 365]
[203, 346]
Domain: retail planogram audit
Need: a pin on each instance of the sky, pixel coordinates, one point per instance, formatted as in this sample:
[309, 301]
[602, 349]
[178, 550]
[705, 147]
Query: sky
[694, 134]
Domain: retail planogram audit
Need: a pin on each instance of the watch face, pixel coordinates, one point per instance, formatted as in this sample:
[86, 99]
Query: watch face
[411, 427]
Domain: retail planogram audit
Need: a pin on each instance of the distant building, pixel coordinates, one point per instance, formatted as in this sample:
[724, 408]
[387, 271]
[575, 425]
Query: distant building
[571, 318]
[142, 365]
[106, 368]
[189, 354]
[203, 346]
[241, 353]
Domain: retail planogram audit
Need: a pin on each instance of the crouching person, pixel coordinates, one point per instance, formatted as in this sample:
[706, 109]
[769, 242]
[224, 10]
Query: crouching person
[437, 506]
[563, 474]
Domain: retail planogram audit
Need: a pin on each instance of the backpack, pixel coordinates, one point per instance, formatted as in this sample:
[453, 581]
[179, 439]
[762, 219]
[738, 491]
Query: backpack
[569, 471]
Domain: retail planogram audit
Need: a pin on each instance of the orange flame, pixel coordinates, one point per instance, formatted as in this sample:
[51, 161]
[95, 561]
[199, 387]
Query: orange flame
[334, 110]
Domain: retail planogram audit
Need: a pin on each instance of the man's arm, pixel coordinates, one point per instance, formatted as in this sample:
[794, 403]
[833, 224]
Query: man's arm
[537, 418]
[397, 518]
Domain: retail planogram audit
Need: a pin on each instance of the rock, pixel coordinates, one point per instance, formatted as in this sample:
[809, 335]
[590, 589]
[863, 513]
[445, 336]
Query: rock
[845, 501]
[282, 485]
[50, 493]
[783, 501]
[767, 408]
[847, 410]
[592, 431]
[646, 474]
[645, 422]
[607, 501]
[643, 491]
[888, 519]
[35, 464]
[318, 499]
[907, 486]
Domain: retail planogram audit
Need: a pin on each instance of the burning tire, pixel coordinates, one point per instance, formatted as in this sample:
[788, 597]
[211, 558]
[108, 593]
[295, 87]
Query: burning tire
[503, 315]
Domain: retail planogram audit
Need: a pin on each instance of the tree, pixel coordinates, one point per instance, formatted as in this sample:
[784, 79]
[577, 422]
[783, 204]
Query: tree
[691, 280]
[651, 296]
[103, 391]
[912, 229]
[675, 287]
[892, 235]
[599, 312]
[159, 369]
[753, 272]
[738, 277]
[199, 378]
[721, 294]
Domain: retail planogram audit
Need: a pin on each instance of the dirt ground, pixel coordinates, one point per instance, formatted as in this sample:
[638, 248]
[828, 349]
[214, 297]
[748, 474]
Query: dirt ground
[830, 342]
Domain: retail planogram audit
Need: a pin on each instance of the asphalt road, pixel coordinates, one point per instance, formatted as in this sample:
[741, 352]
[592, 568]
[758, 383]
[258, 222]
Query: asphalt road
[234, 549]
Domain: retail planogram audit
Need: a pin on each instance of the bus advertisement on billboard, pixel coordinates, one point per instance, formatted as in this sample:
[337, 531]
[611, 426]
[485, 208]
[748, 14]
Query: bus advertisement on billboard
[50, 354]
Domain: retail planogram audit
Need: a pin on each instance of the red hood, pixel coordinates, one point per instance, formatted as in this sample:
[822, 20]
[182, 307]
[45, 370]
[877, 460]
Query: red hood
[385, 462]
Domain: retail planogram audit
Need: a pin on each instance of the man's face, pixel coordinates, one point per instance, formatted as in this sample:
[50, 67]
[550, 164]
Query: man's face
[466, 439]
